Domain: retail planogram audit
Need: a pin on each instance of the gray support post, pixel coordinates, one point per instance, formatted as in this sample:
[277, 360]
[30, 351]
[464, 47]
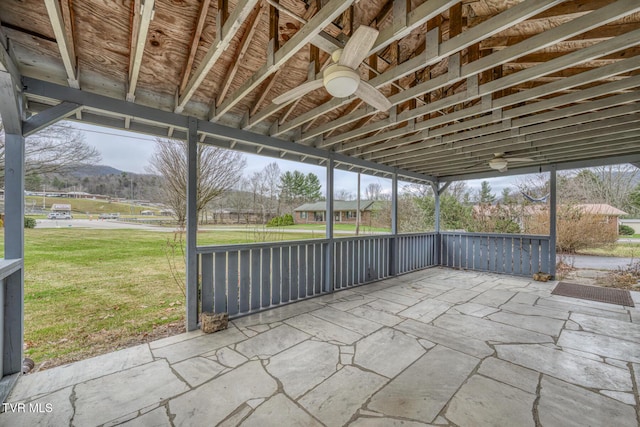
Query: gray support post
[553, 207]
[328, 277]
[393, 253]
[192, 225]
[436, 225]
[13, 321]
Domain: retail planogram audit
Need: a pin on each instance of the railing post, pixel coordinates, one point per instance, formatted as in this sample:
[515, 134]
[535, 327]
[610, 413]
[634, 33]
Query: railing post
[394, 249]
[13, 298]
[552, 220]
[328, 277]
[192, 225]
[436, 225]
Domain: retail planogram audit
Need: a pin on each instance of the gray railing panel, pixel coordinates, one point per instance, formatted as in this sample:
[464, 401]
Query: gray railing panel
[302, 271]
[535, 255]
[232, 285]
[245, 280]
[294, 274]
[276, 283]
[499, 256]
[220, 287]
[266, 277]
[206, 268]
[545, 257]
[318, 277]
[284, 274]
[255, 279]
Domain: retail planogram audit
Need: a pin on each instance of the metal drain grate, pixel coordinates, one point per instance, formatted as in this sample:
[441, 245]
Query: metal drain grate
[594, 293]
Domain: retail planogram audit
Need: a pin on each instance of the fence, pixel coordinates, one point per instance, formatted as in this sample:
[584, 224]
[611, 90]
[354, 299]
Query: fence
[240, 279]
[521, 255]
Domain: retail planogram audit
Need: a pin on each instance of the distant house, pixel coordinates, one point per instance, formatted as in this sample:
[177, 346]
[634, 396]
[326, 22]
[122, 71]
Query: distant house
[344, 212]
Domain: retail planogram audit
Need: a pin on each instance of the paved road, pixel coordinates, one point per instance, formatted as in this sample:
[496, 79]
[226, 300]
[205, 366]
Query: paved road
[97, 224]
[628, 240]
[598, 262]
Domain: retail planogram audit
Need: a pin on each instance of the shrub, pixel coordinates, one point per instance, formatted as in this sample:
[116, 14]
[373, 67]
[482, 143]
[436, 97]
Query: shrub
[29, 222]
[281, 221]
[625, 230]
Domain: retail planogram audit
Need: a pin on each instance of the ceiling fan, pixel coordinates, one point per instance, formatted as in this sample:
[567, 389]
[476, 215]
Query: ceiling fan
[500, 162]
[341, 79]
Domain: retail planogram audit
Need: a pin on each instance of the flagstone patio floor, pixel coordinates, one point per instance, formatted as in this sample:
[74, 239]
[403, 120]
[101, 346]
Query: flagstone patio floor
[435, 347]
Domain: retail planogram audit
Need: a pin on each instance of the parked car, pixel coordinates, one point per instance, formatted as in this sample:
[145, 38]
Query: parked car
[59, 215]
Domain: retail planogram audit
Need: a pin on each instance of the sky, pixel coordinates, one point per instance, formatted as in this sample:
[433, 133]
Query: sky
[131, 152]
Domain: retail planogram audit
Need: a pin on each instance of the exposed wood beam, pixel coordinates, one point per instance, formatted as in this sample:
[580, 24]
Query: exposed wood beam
[492, 26]
[244, 46]
[305, 35]
[49, 116]
[64, 44]
[138, 41]
[10, 89]
[528, 109]
[584, 23]
[195, 41]
[67, 16]
[220, 44]
[265, 91]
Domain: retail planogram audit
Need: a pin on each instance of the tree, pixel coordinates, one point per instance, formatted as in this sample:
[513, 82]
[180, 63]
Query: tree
[506, 196]
[58, 148]
[343, 195]
[485, 196]
[373, 191]
[218, 171]
[297, 188]
[312, 188]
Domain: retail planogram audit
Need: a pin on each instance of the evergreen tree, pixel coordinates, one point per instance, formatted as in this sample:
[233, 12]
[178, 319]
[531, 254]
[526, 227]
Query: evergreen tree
[486, 196]
[312, 188]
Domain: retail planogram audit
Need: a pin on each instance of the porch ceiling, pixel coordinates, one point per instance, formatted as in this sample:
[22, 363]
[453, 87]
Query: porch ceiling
[550, 80]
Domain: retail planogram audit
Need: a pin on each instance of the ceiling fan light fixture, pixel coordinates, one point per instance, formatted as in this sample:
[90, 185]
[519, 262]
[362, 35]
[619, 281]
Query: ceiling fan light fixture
[340, 81]
[498, 163]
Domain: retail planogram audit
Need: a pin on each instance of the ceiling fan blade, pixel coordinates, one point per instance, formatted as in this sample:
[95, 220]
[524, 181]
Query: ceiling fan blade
[298, 91]
[372, 96]
[358, 46]
[519, 159]
[504, 169]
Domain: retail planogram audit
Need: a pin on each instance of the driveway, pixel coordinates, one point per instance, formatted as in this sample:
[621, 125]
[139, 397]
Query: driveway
[598, 262]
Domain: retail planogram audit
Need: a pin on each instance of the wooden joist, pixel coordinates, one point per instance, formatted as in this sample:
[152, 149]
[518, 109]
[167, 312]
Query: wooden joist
[138, 41]
[65, 45]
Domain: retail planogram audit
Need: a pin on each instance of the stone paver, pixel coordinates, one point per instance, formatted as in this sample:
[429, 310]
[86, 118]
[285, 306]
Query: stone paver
[336, 400]
[433, 347]
[485, 402]
[107, 398]
[422, 390]
[271, 342]
[566, 405]
[566, 366]
[304, 366]
[214, 401]
[387, 352]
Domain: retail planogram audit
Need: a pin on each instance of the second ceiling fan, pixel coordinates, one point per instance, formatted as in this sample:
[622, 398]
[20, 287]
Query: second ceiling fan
[341, 79]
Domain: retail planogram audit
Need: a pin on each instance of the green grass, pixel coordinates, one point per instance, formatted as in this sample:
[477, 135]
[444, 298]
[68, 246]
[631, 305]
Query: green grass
[626, 250]
[93, 291]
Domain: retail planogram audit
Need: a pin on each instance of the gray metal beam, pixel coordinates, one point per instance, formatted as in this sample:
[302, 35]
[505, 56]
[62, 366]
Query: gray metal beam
[13, 298]
[393, 258]
[47, 117]
[328, 272]
[162, 118]
[10, 90]
[192, 226]
[553, 207]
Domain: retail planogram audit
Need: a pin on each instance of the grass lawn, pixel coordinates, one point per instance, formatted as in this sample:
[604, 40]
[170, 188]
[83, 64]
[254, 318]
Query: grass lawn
[626, 250]
[92, 291]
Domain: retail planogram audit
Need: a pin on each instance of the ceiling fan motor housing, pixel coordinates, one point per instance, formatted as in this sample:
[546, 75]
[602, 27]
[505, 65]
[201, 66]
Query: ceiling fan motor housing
[341, 81]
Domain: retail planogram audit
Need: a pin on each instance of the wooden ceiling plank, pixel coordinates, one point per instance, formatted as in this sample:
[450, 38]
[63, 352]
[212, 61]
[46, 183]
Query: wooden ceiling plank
[195, 41]
[527, 109]
[585, 22]
[244, 46]
[510, 17]
[137, 47]
[567, 129]
[226, 35]
[264, 92]
[304, 36]
[64, 44]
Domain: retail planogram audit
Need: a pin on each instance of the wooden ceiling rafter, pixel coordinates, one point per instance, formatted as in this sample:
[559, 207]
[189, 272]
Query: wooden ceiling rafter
[492, 26]
[486, 124]
[300, 39]
[245, 42]
[584, 23]
[224, 35]
[66, 45]
[143, 14]
[195, 42]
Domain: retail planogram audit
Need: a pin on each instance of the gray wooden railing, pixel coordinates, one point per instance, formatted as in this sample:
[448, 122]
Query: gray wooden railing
[517, 254]
[10, 271]
[241, 279]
